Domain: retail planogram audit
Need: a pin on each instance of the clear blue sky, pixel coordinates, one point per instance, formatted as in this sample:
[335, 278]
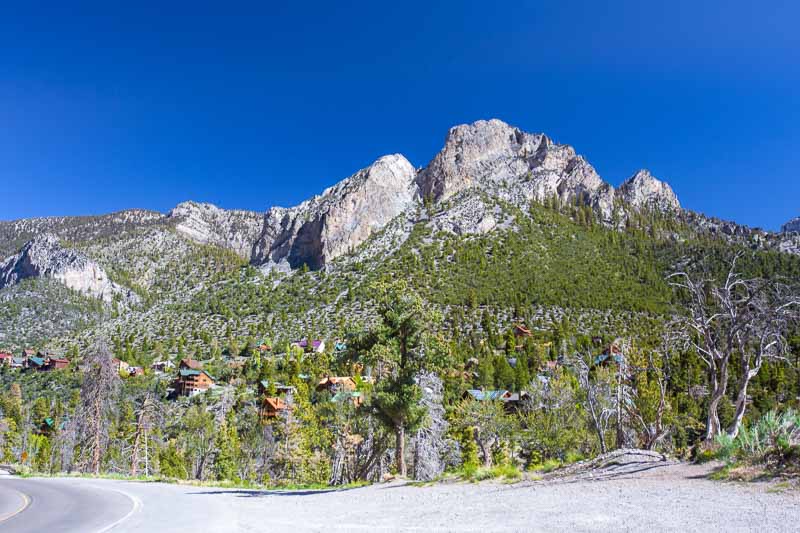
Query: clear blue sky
[252, 105]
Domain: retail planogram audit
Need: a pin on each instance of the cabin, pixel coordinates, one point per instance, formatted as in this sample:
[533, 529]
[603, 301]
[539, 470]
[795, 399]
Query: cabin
[334, 384]
[56, 363]
[18, 362]
[280, 388]
[521, 331]
[486, 395]
[612, 354]
[264, 347]
[162, 366]
[36, 363]
[192, 382]
[512, 401]
[316, 346]
[5, 358]
[272, 407]
[28, 352]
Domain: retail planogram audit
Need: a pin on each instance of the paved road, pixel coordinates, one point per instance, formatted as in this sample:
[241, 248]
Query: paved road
[56, 505]
[668, 498]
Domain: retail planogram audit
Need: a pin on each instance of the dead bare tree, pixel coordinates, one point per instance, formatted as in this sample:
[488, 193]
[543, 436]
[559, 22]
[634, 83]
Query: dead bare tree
[147, 412]
[600, 400]
[100, 384]
[651, 432]
[744, 319]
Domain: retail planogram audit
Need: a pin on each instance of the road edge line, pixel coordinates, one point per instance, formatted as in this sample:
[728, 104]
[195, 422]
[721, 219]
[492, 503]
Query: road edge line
[137, 504]
[26, 502]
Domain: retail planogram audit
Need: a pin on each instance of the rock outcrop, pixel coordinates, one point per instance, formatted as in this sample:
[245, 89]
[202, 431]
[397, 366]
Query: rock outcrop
[342, 217]
[45, 257]
[513, 165]
[643, 191]
[793, 226]
[205, 223]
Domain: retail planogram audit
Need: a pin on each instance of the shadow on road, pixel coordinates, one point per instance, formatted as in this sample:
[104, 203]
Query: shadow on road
[242, 493]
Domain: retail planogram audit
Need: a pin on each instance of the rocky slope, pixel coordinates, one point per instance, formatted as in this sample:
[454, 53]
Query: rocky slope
[45, 257]
[342, 217]
[204, 223]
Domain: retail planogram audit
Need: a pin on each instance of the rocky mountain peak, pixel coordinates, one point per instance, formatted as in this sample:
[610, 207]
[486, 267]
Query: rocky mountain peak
[44, 256]
[236, 230]
[793, 226]
[642, 190]
[342, 217]
[513, 165]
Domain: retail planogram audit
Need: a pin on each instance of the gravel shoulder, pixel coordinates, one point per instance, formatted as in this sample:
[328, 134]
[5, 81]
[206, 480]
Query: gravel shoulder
[646, 497]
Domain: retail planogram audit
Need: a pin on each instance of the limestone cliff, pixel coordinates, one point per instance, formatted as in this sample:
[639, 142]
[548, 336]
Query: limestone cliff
[45, 257]
[342, 217]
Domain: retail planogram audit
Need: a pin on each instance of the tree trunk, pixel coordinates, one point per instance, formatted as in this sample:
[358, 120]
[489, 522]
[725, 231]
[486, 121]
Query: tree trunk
[400, 450]
[719, 383]
[741, 404]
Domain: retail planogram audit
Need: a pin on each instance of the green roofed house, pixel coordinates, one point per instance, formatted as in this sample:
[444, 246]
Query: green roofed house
[36, 362]
[191, 382]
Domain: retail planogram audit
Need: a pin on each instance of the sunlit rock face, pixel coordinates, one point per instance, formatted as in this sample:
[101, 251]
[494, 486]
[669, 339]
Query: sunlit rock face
[45, 257]
[337, 221]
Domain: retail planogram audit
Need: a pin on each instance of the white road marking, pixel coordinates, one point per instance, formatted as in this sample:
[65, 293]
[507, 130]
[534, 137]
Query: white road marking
[137, 504]
[26, 501]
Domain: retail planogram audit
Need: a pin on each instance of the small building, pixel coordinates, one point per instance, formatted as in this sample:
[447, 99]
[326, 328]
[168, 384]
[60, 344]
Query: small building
[488, 395]
[121, 366]
[191, 382]
[521, 331]
[36, 363]
[5, 358]
[136, 371]
[28, 352]
[316, 346]
[280, 388]
[163, 366]
[56, 363]
[271, 407]
[335, 384]
[18, 362]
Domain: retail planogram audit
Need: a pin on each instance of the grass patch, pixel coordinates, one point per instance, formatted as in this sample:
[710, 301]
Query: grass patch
[507, 473]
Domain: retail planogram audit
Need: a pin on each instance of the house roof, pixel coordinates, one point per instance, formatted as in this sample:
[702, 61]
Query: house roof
[191, 363]
[188, 372]
[337, 380]
[345, 395]
[522, 330]
[38, 361]
[481, 395]
[276, 403]
[304, 343]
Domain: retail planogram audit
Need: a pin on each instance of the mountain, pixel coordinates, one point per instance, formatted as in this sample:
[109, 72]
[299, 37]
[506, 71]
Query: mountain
[499, 221]
[45, 257]
[643, 191]
[793, 226]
